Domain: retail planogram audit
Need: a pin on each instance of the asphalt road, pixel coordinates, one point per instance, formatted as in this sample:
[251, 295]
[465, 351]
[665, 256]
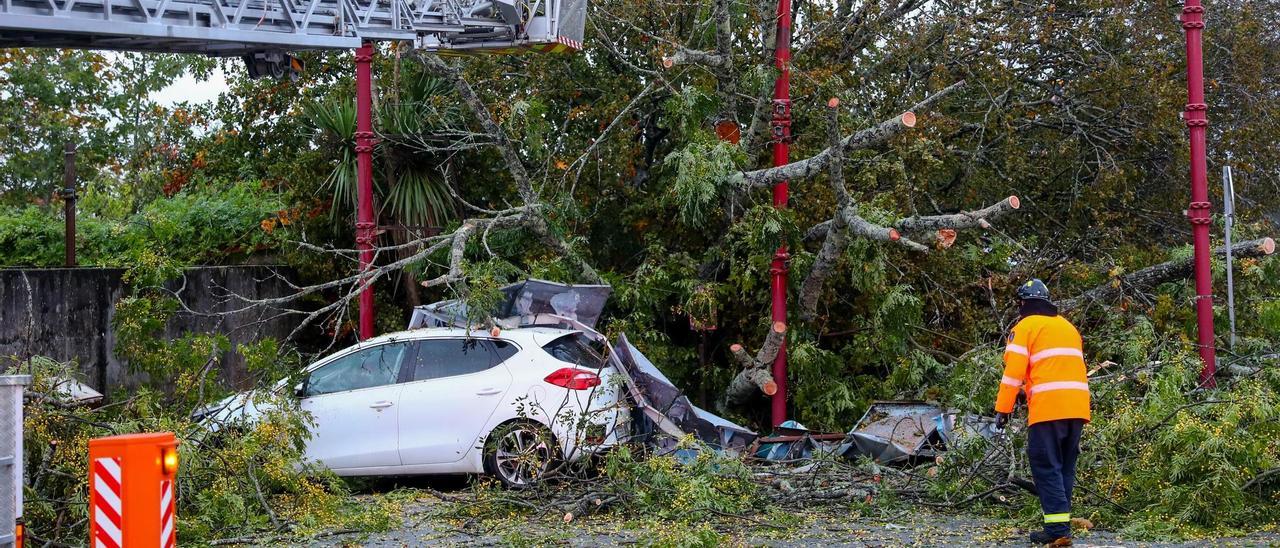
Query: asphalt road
[425, 523]
[423, 526]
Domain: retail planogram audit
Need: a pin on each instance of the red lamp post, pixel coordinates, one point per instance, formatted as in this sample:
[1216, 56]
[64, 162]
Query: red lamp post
[1198, 210]
[365, 223]
[781, 129]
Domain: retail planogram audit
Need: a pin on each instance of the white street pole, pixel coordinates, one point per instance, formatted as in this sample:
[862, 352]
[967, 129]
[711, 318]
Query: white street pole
[1229, 209]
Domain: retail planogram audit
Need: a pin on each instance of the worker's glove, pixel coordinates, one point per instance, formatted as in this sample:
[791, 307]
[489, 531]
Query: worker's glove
[1002, 420]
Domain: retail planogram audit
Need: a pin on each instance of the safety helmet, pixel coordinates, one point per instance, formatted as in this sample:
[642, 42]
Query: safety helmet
[1034, 289]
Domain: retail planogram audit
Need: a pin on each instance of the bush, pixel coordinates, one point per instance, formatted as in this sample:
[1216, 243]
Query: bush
[195, 226]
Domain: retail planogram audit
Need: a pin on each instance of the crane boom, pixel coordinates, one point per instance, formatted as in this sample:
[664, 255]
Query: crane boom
[241, 27]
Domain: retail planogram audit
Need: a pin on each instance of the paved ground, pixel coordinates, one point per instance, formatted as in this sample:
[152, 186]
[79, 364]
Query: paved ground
[927, 530]
[425, 525]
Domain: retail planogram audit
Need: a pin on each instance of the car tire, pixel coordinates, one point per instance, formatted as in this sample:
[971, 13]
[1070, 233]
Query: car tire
[519, 453]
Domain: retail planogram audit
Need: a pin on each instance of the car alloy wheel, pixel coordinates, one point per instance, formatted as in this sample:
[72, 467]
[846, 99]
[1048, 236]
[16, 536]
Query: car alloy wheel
[520, 454]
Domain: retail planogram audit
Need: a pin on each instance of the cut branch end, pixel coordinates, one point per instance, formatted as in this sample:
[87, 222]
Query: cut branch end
[769, 388]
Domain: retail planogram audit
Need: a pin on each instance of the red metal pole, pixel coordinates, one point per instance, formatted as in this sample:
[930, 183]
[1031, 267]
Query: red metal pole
[781, 156]
[364, 179]
[1198, 210]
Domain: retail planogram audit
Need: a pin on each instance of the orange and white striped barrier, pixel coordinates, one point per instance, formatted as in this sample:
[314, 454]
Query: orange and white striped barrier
[168, 515]
[108, 512]
[132, 499]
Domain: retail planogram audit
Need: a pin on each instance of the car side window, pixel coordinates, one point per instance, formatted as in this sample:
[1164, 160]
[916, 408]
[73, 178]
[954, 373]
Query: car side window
[364, 368]
[439, 358]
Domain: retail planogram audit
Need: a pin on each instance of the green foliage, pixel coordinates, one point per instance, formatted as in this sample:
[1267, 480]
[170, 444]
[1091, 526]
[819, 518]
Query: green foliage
[484, 288]
[685, 492]
[663, 535]
[702, 168]
[407, 181]
[197, 225]
[28, 236]
[1187, 463]
[821, 404]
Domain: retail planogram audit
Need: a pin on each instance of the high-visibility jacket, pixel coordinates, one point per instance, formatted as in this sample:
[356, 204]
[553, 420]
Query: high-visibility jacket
[1045, 357]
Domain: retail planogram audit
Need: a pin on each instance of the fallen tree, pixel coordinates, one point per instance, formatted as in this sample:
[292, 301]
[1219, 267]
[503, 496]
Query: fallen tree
[1154, 275]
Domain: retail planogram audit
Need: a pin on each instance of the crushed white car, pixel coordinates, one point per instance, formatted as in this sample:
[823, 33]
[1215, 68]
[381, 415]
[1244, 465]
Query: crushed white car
[540, 386]
[454, 401]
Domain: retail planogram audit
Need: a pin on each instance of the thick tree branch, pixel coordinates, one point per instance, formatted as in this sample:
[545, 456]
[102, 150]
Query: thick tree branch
[719, 62]
[772, 344]
[515, 165]
[958, 221]
[755, 376]
[686, 56]
[867, 229]
[833, 244]
[872, 136]
[1151, 276]
[846, 221]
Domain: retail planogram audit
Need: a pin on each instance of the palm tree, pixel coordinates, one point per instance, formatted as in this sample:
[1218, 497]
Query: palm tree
[411, 192]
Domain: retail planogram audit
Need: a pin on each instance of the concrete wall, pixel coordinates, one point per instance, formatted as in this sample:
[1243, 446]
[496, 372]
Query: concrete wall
[66, 314]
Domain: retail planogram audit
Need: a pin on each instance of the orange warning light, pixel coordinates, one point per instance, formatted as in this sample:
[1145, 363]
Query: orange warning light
[169, 460]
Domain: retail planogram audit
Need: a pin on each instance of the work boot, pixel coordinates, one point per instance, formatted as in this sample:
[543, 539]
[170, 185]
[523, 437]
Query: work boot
[1041, 538]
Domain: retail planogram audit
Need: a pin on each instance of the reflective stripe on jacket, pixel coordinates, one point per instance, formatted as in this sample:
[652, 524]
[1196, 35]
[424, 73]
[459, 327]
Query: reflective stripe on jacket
[1045, 357]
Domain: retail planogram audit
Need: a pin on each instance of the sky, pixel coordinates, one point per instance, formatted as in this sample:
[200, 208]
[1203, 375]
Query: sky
[189, 88]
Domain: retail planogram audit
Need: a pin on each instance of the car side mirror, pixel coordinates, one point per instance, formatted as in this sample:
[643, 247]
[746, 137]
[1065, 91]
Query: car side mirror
[300, 390]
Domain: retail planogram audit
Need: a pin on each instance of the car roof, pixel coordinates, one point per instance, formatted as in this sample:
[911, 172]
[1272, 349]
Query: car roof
[521, 334]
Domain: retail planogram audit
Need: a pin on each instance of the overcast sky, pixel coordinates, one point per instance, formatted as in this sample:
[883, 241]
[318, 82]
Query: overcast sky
[189, 89]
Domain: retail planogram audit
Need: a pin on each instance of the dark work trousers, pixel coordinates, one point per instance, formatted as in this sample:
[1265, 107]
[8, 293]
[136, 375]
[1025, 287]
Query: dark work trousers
[1052, 448]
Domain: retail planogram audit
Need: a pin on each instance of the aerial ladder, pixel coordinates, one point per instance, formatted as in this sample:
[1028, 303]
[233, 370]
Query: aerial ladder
[263, 32]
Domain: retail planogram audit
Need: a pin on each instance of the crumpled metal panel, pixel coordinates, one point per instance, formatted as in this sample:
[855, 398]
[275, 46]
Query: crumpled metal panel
[668, 407]
[893, 431]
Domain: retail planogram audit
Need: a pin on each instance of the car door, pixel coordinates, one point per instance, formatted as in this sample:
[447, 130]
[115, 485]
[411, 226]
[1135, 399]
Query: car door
[453, 388]
[352, 402]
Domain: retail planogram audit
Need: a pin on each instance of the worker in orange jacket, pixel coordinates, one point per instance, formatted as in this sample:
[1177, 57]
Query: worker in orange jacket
[1044, 358]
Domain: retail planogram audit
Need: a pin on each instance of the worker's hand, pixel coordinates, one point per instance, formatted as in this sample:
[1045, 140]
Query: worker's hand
[1002, 420]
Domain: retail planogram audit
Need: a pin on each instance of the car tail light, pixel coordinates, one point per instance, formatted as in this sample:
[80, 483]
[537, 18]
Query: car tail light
[573, 379]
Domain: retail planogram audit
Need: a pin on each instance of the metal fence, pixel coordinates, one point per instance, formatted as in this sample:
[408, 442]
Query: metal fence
[11, 387]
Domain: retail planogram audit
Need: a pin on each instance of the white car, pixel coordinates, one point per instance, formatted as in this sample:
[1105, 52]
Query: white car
[452, 401]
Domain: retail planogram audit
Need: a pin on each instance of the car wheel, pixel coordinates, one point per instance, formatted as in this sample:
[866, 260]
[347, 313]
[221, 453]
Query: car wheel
[519, 453]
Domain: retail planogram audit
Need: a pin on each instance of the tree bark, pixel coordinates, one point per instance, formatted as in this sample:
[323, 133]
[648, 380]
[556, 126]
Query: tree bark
[755, 376]
[1151, 276]
[804, 169]
[962, 220]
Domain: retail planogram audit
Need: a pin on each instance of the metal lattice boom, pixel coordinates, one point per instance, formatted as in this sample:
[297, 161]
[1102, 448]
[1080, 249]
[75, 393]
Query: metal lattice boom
[238, 27]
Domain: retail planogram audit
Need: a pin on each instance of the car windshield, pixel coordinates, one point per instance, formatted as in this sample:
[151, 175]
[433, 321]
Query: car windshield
[576, 349]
